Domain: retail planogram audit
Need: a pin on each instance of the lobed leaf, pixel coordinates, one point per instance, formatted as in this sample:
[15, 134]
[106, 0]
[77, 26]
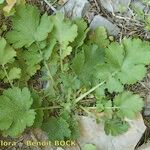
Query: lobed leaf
[15, 112]
[124, 64]
[57, 128]
[7, 53]
[28, 27]
[128, 104]
[115, 127]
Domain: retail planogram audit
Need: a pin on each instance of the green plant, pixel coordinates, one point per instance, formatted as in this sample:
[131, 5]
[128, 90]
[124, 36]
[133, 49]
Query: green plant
[77, 64]
[89, 147]
[141, 15]
[147, 23]
[147, 2]
[8, 6]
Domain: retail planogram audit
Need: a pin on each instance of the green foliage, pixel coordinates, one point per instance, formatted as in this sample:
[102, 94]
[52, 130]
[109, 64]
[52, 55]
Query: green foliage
[116, 127]
[7, 53]
[82, 33]
[63, 62]
[8, 6]
[104, 105]
[85, 62]
[25, 23]
[37, 104]
[125, 105]
[141, 15]
[147, 23]
[1, 1]
[15, 111]
[89, 147]
[57, 128]
[121, 64]
[45, 27]
[147, 2]
[64, 30]
[128, 104]
[14, 73]
[66, 126]
[29, 27]
[99, 37]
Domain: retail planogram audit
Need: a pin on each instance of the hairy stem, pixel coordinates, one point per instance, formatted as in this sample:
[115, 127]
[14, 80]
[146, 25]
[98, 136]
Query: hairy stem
[61, 61]
[92, 89]
[5, 71]
[46, 66]
[87, 111]
[88, 92]
[50, 5]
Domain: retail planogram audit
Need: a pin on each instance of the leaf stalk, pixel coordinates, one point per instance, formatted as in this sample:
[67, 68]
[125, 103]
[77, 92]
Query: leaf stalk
[7, 76]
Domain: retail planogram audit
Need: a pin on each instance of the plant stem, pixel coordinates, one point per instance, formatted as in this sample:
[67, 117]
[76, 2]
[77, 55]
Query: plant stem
[88, 92]
[61, 61]
[47, 108]
[87, 111]
[93, 89]
[46, 65]
[48, 70]
[113, 107]
[10, 82]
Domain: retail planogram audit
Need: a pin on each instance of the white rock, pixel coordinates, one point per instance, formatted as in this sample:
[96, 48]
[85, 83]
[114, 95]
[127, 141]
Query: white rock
[114, 5]
[94, 133]
[101, 21]
[75, 8]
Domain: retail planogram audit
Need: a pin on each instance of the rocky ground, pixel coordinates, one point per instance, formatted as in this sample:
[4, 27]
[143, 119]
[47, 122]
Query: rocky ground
[121, 18]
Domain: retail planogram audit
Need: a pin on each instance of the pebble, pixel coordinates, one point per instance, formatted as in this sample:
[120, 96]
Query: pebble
[75, 8]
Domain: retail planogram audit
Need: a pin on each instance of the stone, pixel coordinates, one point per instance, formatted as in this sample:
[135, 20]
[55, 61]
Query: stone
[115, 5]
[75, 8]
[111, 28]
[94, 133]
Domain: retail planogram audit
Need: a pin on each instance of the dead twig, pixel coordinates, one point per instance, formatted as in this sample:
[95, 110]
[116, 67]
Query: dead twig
[97, 6]
[50, 5]
[145, 86]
